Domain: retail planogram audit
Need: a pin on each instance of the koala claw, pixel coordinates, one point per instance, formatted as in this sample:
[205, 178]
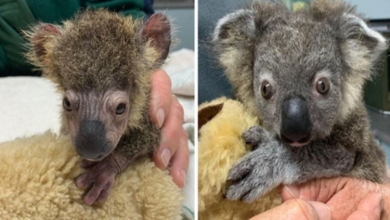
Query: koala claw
[236, 191]
[250, 178]
[253, 194]
[247, 190]
[239, 171]
[101, 177]
[255, 135]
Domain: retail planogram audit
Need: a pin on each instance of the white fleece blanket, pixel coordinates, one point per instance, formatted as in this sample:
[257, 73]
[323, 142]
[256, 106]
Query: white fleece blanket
[31, 105]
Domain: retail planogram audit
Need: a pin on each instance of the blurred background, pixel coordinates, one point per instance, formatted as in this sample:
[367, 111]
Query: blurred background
[182, 13]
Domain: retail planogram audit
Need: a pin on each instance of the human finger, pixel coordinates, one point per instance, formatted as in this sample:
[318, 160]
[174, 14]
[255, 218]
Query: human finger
[369, 208]
[170, 135]
[180, 160]
[160, 97]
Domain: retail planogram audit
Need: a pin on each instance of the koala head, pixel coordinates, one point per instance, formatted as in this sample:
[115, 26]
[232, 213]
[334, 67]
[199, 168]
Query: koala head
[101, 62]
[301, 72]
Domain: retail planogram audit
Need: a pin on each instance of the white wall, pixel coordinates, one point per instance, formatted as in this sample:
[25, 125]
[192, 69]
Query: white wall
[373, 9]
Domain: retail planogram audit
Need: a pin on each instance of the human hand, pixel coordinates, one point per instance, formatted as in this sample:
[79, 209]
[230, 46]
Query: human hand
[369, 208]
[167, 114]
[345, 198]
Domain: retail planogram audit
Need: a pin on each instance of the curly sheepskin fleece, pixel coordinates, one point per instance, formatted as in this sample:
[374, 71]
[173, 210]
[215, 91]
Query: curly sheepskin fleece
[37, 182]
[220, 146]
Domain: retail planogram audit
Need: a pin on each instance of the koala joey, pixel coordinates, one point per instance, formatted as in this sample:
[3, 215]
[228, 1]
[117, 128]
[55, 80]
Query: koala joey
[303, 74]
[101, 62]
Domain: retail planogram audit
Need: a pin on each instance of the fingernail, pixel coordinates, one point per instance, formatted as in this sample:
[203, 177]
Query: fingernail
[166, 156]
[183, 176]
[160, 117]
[293, 191]
[322, 210]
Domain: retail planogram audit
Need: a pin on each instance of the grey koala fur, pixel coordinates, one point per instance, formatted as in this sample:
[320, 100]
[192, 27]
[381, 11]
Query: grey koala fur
[102, 63]
[314, 63]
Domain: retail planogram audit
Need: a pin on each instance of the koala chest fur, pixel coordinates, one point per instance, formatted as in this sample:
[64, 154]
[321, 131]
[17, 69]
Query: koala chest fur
[101, 63]
[303, 74]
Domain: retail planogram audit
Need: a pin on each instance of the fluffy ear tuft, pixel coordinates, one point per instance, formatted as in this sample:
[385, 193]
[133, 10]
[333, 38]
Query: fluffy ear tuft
[355, 29]
[355, 37]
[233, 44]
[41, 39]
[361, 48]
[158, 29]
[236, 26]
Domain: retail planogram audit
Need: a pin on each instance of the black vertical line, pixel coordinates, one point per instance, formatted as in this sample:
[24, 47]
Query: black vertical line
[388, 75]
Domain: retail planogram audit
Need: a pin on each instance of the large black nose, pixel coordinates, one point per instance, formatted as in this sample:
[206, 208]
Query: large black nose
[296, 124]
[91, 142]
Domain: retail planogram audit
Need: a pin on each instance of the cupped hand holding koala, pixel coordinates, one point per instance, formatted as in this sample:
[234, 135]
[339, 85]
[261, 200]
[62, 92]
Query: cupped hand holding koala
[302, 73]
[346, 198]
[369, 208]
[326, 199]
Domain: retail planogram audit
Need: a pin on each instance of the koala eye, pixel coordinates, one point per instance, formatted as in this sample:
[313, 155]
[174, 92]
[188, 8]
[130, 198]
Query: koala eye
[322, 86]
[67, 105]
[120, 109]
[266, 89]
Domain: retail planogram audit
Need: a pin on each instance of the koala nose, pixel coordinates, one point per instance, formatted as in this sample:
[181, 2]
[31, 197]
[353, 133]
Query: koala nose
[296, 124]
[91, 142]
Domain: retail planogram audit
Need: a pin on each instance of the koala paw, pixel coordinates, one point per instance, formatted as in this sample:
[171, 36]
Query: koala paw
[255, 136]
[101, 177]
[251, 178]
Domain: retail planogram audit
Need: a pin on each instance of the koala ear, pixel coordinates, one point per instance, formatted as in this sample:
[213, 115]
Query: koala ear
[361, 48]
[360, 45]
[158, 29]
[360, 40]
[247, 24]
[235, 27]
[234, 40]
[233, 44]
[41, 39]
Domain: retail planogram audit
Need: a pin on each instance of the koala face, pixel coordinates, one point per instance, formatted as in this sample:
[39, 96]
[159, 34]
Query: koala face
[96, 120]
[300, 72]
[104, 75]
[296, 81]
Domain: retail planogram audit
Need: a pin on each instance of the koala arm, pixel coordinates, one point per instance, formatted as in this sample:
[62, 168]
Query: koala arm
[273, 163]
[140, 141]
